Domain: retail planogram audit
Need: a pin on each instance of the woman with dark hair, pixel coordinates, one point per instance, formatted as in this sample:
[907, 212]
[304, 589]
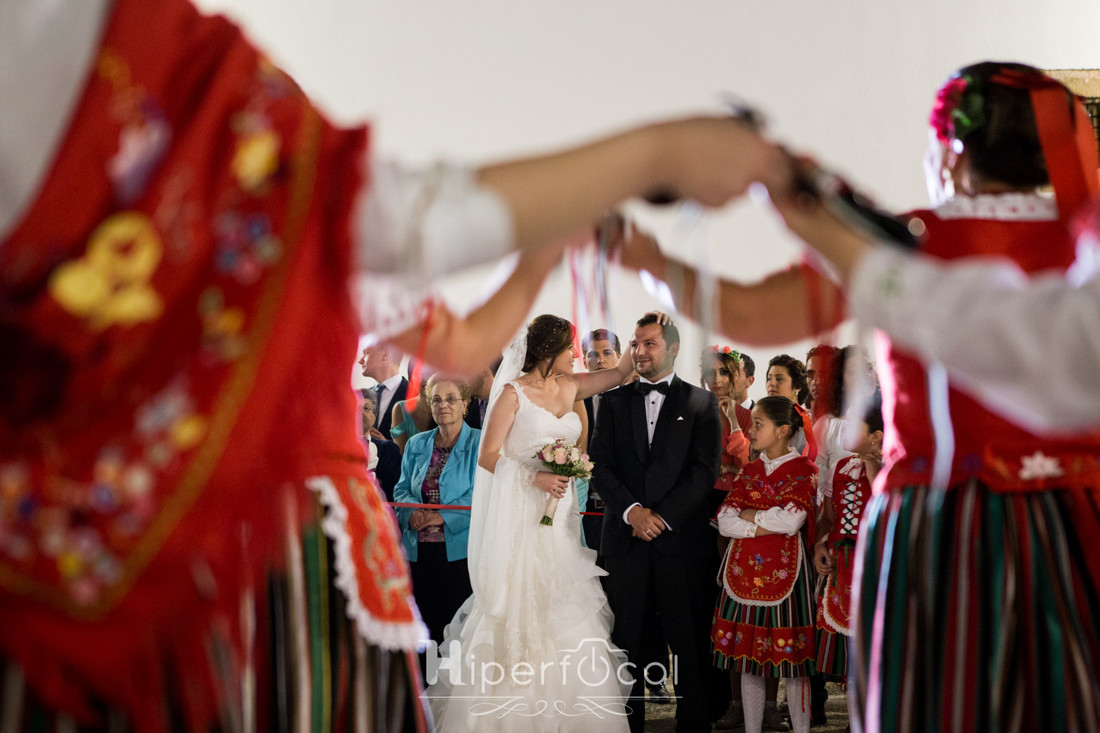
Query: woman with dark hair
[786, 377]
[965, 495]
[537, 599]
[763, 620]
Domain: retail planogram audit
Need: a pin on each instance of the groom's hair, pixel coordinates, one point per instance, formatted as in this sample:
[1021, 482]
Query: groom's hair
[669, 332]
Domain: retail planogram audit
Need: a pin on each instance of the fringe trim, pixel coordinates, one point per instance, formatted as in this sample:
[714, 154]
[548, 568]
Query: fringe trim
[390, 635]
[831, 622]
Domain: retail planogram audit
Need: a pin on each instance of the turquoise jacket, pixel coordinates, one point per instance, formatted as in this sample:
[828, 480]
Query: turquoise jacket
[456, 486]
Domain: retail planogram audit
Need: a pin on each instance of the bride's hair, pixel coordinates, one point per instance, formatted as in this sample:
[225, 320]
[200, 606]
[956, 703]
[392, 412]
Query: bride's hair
[547, 336]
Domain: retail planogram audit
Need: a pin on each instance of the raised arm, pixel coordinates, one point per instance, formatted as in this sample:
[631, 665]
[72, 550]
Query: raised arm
[467, 345]
[793, 304]
[1028, 347]
[590, 383]
[708, 159]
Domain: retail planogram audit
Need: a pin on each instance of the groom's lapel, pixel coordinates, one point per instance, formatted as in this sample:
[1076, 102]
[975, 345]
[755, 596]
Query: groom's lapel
[637, 422]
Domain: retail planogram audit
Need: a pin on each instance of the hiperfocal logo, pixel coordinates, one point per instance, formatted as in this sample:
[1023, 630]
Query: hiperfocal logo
[587, 675]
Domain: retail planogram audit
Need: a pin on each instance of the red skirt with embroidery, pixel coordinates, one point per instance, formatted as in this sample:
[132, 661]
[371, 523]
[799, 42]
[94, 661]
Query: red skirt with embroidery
[767, 641]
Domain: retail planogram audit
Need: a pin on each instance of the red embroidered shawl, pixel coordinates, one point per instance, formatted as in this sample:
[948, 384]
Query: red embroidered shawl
[178, 341]
[762, 571]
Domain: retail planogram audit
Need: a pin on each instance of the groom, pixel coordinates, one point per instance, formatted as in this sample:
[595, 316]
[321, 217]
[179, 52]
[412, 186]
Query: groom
[656, 449]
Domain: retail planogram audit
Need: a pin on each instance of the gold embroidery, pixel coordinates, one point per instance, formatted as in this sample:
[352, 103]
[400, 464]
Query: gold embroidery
[109, 285]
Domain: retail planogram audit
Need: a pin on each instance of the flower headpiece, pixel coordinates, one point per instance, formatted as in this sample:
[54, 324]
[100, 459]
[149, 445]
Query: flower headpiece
[725, 351]
[958, 109]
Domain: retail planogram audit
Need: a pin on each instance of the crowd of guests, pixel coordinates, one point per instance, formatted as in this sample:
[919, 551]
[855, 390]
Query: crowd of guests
[794, 477]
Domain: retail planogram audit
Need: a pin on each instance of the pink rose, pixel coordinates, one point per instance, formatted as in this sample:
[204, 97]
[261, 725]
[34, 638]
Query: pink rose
[559, 456]
[546, 454]
[574, 455]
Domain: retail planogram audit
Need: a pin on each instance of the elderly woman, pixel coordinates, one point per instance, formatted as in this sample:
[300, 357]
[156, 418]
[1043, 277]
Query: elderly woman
[386, 465]
[438, 468]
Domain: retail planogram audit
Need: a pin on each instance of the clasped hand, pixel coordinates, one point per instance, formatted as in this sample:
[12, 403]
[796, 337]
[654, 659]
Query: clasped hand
[551, 483]
[646, 523]
[823, 559]
[422, 518]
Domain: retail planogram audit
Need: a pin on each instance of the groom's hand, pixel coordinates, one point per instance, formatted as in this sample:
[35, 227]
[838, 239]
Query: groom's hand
[647, 525]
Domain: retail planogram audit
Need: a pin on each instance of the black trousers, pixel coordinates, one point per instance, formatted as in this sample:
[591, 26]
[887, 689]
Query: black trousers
[439, 586]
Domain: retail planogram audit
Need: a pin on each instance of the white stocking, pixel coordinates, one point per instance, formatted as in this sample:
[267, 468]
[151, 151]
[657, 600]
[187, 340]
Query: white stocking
[752, 702]
[798, 703]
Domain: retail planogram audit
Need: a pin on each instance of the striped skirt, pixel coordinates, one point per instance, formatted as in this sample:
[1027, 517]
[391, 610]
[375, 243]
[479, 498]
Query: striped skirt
[832, 650]
[316, 672]
[767, 641]
[978, 611]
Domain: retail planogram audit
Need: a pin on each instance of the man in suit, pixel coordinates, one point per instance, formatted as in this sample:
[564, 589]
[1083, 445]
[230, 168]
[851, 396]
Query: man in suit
[656, 449]
[601, 351]
[380, 362]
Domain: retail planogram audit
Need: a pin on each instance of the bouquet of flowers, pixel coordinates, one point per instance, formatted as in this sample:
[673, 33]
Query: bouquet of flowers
[562, 458]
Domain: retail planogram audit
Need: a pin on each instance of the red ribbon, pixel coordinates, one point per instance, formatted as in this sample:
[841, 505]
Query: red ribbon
[1066, 137]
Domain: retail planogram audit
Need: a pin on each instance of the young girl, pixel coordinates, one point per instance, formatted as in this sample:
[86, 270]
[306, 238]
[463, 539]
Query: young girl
[763, 621]
[834, 551]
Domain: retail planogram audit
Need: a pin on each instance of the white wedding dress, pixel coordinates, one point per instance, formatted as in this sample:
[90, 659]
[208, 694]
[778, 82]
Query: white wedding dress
[530, 650]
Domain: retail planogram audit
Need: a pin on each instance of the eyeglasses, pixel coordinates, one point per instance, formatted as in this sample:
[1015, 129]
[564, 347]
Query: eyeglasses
[368, 408]
[437, 401]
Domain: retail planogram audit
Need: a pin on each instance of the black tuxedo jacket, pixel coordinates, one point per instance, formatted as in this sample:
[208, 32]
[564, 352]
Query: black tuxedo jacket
[673, 477]
[385, 416]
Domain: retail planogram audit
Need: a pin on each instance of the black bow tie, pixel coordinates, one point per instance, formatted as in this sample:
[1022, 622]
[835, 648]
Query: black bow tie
[646, 388]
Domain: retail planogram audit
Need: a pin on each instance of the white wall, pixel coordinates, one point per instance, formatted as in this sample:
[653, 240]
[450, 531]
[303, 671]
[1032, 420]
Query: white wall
[475, 80]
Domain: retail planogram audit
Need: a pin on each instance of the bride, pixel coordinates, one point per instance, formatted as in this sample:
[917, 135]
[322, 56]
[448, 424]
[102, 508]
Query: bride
[530, 649]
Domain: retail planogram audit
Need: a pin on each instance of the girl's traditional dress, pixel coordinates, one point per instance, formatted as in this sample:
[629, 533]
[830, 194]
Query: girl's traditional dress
[850, 493]
[763, 620]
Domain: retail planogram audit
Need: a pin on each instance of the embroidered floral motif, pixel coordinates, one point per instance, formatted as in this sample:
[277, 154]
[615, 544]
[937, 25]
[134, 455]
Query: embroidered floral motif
[1038, 466]
[246, 245]
[257, 155]
[109, 285]
[145, 134]
[221, 327]
[141, 145]
[89, 524]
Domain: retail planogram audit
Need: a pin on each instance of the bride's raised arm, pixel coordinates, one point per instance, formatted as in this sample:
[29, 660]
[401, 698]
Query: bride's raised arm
[591, 383]
[498, 421]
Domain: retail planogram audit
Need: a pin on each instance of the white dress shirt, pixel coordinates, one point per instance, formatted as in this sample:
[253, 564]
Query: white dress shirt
[385, 397]
[654, 401]
[781, 520]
